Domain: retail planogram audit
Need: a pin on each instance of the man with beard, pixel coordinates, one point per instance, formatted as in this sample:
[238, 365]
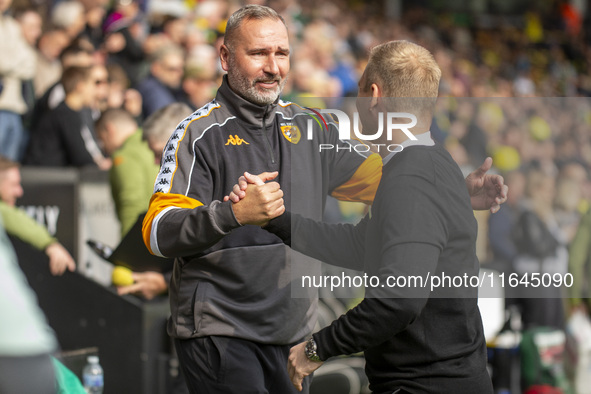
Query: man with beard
[233, 317]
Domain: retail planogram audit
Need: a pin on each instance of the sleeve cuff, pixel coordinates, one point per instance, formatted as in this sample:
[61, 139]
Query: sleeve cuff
[321, 348]
[223, 216]
[281, 227]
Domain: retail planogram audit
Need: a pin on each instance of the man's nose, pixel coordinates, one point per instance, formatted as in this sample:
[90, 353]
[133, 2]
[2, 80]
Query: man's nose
[271, 66]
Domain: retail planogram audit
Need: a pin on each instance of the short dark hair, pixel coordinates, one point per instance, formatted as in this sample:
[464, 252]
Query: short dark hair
[72, 76]
[246, 13]
[116, 116]
[76, 47]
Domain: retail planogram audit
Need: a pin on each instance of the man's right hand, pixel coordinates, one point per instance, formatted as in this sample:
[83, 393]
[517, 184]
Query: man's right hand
[257, 202]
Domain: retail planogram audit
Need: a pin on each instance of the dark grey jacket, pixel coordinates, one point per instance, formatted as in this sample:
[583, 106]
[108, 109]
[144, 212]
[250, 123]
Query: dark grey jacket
[231, 280]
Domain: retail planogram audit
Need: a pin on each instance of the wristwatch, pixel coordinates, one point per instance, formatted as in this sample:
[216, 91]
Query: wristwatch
[310, 350]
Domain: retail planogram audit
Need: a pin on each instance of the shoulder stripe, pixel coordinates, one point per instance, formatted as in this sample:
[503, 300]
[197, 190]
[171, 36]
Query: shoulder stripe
[169, 164]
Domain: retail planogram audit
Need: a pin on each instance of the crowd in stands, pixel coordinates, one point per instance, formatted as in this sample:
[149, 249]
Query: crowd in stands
[514, 88]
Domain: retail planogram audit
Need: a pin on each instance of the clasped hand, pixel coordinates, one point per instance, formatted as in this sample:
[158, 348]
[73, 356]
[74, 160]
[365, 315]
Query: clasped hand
[256, 199]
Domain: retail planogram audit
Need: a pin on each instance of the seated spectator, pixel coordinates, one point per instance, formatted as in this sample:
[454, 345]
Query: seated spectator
[65, 135]
[18, 224]
[162, 86]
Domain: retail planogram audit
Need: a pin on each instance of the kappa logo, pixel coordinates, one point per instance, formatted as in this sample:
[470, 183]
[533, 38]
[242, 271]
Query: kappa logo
[291, 133]
[163, 181]
[171, 147]
[166, 171]
[235, 140]
[159, 190]
[169, 159]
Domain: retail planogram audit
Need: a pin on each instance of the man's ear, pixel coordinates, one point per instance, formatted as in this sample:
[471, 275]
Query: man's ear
[224, 55]
[376, 95]
[111, 129]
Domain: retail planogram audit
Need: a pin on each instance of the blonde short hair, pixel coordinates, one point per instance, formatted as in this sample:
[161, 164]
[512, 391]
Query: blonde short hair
[404, 69]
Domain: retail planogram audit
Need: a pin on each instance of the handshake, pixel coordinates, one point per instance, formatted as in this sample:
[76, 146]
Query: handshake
[255, 200]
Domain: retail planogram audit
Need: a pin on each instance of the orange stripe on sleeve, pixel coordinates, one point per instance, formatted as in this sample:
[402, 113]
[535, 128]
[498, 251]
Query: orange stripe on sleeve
[363, 184]
[158, 203]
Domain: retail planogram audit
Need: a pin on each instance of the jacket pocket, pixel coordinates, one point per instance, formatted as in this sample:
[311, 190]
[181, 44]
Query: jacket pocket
[198, 304]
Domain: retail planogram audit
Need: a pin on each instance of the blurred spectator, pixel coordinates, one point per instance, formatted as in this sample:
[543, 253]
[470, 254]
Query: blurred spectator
[541, 248]
[569, 193]
[94, 15]
[502, 224]
[120, 95]
[162, 86]
[159, 126]
[175, 30]
[49, 68]
[101, 79]
[69, 15]
[123, 34]
[17, 64]
[75, 55]
[31, 24]
[579, 265]
[65, 135]
[133, 171]
[200, 86]
[18, 224]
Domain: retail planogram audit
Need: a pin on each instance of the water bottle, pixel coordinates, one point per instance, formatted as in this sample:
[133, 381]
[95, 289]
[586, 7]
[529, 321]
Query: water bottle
[93, 377]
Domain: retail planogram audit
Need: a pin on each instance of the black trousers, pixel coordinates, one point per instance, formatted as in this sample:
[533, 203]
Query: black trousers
[224, 365]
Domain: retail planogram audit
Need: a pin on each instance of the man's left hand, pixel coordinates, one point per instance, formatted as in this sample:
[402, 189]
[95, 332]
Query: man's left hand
[299, 366]
[486, 191]
[60, 259]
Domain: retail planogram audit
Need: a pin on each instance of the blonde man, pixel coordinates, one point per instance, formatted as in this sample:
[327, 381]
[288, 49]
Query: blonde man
[416, 339]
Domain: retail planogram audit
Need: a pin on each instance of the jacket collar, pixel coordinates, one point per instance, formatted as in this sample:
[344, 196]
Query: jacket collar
[243, 109]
